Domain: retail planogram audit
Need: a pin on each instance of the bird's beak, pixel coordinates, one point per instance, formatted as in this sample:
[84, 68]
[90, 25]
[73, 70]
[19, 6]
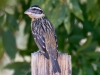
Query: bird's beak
[28, 12]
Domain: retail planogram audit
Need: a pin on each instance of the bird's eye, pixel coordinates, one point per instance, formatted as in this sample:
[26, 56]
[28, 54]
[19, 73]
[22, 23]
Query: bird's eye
[34, 9]
[37, 11]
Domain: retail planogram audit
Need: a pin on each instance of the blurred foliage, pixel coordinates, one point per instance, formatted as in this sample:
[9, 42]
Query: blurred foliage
[76, 22]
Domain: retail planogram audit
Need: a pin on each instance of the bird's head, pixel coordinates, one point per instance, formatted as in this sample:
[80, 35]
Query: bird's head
[34, 12]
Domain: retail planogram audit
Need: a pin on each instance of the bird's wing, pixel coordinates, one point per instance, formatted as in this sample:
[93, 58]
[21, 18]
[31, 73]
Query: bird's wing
[51, 45]
[40, 41]
[50, 39]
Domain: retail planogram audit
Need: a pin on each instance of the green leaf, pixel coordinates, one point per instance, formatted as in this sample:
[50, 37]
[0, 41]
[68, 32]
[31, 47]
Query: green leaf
[21, 68]
[94, 55]
[58, 15]
[75, 9]
[2, 3]
[61, 39]
[48, 8]
[75, 38]
[12, 22]
[27, 28]
[37, 2]
[86, 44]
[97, 20]
[98, 72]
[90, 48]
[67, 22]
[75, 71]
[1, 48]
[9, 42]
[1, 19]
[9, 6]
[87, 70]
[91, 4]
[97, 63]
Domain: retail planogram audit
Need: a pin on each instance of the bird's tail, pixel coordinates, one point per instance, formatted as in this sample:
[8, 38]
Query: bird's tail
[55, 65]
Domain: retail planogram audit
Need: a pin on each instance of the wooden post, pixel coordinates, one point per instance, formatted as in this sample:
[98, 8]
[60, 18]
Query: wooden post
[42, 66]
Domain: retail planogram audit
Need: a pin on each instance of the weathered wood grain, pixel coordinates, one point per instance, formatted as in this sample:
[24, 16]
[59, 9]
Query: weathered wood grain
[42, 66]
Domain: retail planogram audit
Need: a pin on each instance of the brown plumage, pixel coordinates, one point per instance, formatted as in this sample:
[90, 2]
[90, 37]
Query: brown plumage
[44, 35]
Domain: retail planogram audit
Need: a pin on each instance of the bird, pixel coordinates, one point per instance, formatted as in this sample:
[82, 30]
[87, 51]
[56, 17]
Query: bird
[44, 35]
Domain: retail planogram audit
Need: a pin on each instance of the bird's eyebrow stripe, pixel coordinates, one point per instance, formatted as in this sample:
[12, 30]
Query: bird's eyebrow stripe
[35, 8]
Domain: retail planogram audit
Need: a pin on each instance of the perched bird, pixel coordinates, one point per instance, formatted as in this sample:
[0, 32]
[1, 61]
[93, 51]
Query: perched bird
[44, 35]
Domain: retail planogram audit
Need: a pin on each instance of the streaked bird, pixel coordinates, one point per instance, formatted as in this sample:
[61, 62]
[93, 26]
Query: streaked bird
[44, 35]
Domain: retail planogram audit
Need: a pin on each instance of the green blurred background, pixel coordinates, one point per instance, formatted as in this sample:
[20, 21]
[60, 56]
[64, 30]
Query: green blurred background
[77, 25]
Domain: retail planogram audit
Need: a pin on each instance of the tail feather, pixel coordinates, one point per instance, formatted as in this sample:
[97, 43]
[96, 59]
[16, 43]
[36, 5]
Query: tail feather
[55, 65]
